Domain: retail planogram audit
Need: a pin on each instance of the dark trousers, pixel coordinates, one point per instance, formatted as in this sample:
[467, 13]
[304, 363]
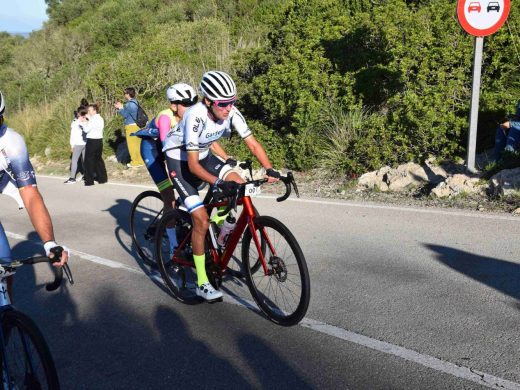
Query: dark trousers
[94, 164]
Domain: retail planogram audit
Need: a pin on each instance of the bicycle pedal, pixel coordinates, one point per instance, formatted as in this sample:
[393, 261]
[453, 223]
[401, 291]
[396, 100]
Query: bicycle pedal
[221, 299]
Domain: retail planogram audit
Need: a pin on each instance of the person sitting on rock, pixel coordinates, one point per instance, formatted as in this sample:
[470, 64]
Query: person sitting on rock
[508, 134]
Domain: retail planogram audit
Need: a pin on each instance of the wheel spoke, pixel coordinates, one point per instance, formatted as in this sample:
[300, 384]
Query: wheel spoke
[147, 210]
[283, 294]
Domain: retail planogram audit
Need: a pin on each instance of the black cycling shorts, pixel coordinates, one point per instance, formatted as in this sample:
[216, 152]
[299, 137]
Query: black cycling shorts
[187, 183]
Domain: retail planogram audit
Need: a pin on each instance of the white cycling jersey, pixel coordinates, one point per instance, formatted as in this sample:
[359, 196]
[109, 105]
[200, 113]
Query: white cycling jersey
[16, 171]
[198, 130]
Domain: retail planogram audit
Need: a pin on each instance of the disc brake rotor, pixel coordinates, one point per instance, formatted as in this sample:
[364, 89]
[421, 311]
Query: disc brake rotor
[279, 269]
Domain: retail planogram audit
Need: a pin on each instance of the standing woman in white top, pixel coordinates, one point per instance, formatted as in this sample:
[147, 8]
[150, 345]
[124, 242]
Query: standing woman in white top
[93, 125]
[77, 144]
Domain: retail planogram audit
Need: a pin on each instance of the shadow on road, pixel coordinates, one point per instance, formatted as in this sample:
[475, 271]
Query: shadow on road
[502, 275]
[26, 289]
[116, 339]
[121, 213]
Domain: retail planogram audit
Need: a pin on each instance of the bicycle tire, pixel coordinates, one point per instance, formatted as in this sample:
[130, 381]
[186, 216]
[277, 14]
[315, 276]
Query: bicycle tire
[29, 361]
[288, 273]
[181, 280]
[147, 209]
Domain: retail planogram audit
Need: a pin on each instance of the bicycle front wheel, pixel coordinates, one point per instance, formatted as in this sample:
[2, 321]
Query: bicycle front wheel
[283, 293]
[147, 210]
[29, 364]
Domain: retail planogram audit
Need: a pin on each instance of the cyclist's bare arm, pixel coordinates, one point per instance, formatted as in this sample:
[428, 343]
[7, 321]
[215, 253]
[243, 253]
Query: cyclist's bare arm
[39, 216]
[218, 150]
[258, 151]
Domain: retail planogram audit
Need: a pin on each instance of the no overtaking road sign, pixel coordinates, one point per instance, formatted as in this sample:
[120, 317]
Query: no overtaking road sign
[483, 17]
[479, 18]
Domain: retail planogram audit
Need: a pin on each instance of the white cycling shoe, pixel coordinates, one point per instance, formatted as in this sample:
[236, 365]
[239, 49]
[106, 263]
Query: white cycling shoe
[207, 292]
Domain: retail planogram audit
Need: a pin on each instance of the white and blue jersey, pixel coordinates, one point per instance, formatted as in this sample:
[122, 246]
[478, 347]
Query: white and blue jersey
[16, 172]
[197, 131]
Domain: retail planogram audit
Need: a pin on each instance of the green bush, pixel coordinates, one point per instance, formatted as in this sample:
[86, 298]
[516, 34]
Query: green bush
[345, 85]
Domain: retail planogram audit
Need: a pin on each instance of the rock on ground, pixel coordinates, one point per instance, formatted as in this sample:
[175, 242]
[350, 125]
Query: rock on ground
[506, 182]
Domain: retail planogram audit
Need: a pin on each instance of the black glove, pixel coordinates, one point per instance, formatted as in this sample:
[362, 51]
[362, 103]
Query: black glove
[231, 162]
[224, 188]
[272, 173]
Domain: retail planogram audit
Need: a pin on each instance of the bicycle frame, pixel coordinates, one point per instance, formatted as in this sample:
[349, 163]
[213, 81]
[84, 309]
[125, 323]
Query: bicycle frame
[245, 220]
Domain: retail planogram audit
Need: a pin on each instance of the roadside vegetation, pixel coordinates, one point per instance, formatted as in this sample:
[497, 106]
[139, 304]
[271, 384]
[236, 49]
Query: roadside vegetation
[342, 85]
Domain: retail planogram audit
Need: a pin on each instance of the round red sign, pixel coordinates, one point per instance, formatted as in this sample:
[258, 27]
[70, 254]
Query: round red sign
[483, 17]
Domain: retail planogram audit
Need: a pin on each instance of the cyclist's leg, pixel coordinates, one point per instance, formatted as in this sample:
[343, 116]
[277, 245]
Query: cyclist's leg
[216, 166]
[5, 257]
[154, 161]
[155, 164]
[186, 185]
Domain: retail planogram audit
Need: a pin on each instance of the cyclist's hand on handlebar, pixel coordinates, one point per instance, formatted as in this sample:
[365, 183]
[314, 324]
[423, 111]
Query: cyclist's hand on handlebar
[52, 249]
[224, 188]
[272, 175]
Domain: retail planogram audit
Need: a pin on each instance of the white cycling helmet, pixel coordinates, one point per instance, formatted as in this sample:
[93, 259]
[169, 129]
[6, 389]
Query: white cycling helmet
[217, 85]
[2, 104]
[181, 93]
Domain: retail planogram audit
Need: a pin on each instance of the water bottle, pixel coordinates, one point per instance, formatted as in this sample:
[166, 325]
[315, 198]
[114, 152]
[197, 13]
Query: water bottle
[226, 230]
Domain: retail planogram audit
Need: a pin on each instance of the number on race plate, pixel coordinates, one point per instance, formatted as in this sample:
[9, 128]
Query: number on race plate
[252, 190]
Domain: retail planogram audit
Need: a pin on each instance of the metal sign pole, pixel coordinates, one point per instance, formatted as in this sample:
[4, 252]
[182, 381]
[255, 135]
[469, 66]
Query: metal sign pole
[475, 96]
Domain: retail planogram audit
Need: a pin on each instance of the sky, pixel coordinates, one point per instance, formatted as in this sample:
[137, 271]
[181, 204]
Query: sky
[22, 16]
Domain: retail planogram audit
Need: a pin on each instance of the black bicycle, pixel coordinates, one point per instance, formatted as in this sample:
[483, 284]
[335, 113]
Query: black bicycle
[147, 210]
[26, 362]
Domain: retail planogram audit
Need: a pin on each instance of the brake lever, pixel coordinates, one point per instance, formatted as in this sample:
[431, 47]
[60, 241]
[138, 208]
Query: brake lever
[68, 273]
[290, 183]
[293, 183]
[248, 164]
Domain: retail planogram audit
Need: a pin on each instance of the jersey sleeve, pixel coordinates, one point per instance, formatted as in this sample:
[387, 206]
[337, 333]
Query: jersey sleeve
[19, 166]
[238, 123]
[192, 129]
[164, 124]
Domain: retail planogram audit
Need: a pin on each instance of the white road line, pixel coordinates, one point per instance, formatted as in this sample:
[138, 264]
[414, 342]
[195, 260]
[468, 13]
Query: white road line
[469, 374]
[431, 362]
[358, 205]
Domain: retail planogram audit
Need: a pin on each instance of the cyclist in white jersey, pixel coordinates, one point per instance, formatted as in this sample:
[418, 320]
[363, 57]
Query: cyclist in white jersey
[190, 160]
[17, 179]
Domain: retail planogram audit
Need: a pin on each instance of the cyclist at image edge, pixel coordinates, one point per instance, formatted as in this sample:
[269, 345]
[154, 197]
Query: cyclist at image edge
[17, 179]
[190, 160]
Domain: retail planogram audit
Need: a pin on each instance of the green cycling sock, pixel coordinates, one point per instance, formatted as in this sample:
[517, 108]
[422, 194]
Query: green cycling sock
[200, 266]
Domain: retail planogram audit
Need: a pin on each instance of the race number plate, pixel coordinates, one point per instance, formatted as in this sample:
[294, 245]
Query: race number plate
[252, 190]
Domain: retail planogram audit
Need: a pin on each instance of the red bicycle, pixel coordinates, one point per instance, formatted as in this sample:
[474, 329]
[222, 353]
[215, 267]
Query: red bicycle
[272, 260]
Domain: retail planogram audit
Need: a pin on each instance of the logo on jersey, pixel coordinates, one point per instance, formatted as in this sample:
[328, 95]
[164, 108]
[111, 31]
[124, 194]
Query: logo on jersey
[26, 175]
[197, 125]
[215, 134]
[173, 174]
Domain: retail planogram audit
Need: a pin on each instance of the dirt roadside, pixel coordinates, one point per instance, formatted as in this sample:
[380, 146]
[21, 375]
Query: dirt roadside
[315, 185]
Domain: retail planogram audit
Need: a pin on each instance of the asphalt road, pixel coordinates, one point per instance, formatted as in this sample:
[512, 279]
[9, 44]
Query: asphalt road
[401, 299]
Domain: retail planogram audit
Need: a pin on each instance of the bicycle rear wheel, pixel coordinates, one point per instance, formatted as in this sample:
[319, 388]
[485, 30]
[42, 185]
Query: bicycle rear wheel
[147, 210]
[283, 294]
[29, 362]
[181, 280]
